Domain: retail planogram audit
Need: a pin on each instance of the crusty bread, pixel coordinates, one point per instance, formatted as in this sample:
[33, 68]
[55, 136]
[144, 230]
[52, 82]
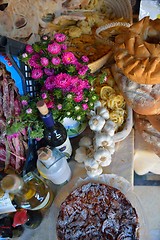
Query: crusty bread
[155, 121]
[150, 135]
[140, 45]
[143, 99]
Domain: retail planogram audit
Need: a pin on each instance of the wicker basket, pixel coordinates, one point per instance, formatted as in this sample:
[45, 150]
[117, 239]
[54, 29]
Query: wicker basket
[96, 65]
[121, 9]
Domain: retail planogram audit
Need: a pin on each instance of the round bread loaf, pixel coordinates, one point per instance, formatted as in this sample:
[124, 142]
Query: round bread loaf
[155, 121]
[142, 98]
[150, 135]
[97, 211]
[137, 52]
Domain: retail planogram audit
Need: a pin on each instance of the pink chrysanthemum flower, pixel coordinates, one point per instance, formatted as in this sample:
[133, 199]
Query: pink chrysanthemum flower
[64, 46]
[85, 59]
[59, 37]
[59, 106]
[44, 61]
[78, 98]
[44, 95]
[29, 110]
[69, 58]
[24, 102]
[54, 48]
[63, 81]
[36, 73]
[49, 83]
[34, 61]
[29, 49]
[84, 106]
[49, 71]
[56, 61]
[82, 71]
[50, 104]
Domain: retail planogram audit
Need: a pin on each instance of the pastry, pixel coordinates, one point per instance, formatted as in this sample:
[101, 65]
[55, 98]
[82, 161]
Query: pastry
[97, 211]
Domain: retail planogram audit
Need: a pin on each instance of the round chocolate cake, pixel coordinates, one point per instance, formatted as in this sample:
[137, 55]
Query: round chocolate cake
[99, 212]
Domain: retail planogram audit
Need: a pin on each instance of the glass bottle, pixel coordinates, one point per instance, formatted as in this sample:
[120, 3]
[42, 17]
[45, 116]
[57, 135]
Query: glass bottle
[55, 133]
[34, 219]
[7, 231]
[6, 203]
[30, 192]
[53, 165]
[27, 218]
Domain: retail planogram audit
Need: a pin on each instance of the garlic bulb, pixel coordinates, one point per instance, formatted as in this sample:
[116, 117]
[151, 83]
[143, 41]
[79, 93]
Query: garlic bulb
[103, 157]
[102, 140]
[96, 123]
[92, 167]
[111, 148]
[85, 142]
[109, 127]
[97, 105]
[81, 154]
[103, 112]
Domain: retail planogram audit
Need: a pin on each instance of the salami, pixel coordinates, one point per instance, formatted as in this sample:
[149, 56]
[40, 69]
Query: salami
[12, 147]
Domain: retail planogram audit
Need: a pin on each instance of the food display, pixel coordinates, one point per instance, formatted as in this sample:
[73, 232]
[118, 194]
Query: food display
[111, 97]
[97, 211]
[137, 51]
[136, 72]
[80, 30]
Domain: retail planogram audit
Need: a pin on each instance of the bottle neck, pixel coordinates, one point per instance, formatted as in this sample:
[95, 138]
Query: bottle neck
[48, 120]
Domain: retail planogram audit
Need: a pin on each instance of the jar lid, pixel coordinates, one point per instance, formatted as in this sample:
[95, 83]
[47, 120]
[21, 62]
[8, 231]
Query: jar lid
[11, 183]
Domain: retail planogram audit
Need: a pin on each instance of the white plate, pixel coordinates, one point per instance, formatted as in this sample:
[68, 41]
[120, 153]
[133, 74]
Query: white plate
[111, 179]
[119, 136]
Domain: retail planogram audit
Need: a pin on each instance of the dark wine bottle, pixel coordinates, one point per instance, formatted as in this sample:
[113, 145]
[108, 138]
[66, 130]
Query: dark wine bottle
[27, 218]
[55, 134]
[7, 231]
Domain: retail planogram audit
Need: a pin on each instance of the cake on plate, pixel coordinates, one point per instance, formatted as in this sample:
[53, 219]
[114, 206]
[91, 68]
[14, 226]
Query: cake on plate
[97, 211]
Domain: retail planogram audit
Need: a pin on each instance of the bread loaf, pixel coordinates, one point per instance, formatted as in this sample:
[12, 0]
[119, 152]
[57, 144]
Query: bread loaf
[142, 98]
[137, 52]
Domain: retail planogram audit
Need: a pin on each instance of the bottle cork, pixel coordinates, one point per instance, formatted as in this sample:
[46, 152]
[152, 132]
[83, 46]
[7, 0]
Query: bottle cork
[46, 157]
[44, 153]
[42, 107]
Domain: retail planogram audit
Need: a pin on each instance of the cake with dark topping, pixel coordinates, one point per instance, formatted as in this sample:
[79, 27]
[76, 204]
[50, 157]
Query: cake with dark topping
[99, 212]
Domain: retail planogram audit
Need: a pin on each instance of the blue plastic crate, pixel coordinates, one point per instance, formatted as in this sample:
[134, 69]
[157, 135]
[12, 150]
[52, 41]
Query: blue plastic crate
[14, 74]
[25, 84]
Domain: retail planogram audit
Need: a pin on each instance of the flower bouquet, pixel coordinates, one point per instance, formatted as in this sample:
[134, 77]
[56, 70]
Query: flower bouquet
[66, 84]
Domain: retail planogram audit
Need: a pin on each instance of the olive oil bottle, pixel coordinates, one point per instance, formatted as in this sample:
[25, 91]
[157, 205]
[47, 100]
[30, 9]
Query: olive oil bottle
[30, 192]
